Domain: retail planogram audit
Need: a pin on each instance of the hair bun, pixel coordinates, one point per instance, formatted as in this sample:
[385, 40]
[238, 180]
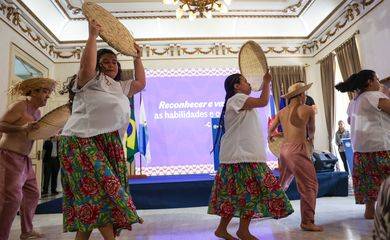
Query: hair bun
[353, 77]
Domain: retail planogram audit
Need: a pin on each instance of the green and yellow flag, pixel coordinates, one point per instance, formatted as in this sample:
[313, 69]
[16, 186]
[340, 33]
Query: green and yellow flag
[131, 138]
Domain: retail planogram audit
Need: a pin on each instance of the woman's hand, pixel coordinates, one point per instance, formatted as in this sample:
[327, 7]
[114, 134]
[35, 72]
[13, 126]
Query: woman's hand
[94, 29]
[267, 77]
[28, 127]
[139, 50]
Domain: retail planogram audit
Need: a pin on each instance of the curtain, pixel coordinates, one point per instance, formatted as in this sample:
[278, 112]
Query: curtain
[283, 77]
[348, 59]
[327, 68]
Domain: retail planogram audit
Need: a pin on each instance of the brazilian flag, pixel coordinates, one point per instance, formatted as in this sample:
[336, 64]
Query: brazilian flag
[131, 138]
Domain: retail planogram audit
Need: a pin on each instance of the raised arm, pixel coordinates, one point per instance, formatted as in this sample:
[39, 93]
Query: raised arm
[88, 59]
[263, 100]
[140, 79]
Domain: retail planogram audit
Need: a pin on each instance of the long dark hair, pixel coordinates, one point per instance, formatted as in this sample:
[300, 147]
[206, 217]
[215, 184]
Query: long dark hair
[67, 88]
[357, 81]
[99, 67]
[230, 92]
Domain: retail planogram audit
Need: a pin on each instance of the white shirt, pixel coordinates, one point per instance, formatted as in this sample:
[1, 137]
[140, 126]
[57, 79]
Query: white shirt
[243, 140]
[100, 106]
[370, 127]
[54, 148]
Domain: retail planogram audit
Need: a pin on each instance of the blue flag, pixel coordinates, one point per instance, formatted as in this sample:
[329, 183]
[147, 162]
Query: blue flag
[143, 136]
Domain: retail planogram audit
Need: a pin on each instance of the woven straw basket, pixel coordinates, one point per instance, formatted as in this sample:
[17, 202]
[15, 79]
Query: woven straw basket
[50, 124]
[253, 64]
[113, 32]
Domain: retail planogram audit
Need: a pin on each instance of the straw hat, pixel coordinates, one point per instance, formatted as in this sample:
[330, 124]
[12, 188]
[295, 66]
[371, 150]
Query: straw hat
[24, 87]
[253, 64]
[113, 32]
[50, 124]
[275, 146]
[296, 89]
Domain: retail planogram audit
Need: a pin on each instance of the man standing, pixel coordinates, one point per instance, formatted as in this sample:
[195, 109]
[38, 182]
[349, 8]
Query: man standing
[297, 120]
[18, 185]
[51, 166]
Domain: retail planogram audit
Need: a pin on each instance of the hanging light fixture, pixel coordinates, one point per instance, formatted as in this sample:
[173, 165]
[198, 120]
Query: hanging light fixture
[198, 8]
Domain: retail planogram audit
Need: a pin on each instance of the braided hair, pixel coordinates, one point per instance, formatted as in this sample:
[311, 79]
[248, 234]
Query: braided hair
[230, 92]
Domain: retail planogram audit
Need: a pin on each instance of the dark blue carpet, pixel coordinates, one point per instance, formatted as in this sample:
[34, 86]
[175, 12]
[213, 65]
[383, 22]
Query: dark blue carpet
[194, 191]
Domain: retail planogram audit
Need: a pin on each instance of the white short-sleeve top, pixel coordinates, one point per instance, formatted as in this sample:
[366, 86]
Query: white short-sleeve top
[370, 127]
[100, 106]
[243, 140]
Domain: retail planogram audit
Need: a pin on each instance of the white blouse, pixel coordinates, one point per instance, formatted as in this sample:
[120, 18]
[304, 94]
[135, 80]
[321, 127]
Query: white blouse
[370, 127]
[100, 106]
[243, 140]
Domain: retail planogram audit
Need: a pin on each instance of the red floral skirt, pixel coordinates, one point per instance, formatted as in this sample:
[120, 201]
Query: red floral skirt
[94, 182]
[370, 169]
[248, 190]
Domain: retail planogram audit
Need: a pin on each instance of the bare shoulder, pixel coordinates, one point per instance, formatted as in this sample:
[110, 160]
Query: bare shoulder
[14, 112]
[18, 107]
[282, 111]
[306, 108]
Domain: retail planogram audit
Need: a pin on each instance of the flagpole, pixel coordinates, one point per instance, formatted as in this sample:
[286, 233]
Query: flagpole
[140, 157]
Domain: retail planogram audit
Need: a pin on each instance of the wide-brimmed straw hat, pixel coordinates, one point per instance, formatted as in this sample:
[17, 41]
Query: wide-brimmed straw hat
[113, 32]
[50, 124]
[296, 89]
[24, 87]
[253, 64]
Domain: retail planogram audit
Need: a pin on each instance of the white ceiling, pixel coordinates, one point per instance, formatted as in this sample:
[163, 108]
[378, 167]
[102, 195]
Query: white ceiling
[151, 19]
[264, 6]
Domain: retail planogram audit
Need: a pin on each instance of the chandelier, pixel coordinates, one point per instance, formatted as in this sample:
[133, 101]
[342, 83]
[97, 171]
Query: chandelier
[198, 8]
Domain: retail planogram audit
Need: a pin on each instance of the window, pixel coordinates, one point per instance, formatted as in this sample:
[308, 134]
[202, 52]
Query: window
[341, 100]
[23, 66]
[24, 70]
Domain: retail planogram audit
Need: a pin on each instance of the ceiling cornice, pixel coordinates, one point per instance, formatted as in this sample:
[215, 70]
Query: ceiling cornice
[300, 6]
[179, 47]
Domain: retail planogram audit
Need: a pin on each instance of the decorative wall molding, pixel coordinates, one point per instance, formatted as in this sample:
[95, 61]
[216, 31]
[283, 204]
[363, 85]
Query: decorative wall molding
[291, 11]
[353, 11]
[9, 13]
[195, 48]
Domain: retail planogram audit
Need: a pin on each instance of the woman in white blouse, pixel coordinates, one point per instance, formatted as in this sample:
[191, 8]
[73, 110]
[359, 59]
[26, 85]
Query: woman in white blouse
[369, 117]
[90, 149]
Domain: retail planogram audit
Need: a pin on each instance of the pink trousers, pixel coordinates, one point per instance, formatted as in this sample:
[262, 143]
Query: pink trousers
[294, 162]
[18, 192]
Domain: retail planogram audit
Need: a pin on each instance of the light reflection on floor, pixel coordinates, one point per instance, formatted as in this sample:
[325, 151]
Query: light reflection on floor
[341, 218]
